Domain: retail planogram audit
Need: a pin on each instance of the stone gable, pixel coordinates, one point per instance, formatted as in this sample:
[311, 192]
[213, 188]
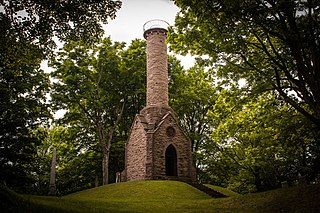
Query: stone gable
[163, 138]
[147, 146]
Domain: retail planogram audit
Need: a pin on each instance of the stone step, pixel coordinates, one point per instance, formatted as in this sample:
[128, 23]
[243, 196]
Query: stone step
[211, 192]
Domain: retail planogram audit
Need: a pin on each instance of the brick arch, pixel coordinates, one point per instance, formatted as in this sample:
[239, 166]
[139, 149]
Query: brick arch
[171, 161]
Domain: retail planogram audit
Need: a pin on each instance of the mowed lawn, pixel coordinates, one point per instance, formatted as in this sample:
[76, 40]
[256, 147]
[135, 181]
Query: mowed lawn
[174, 196]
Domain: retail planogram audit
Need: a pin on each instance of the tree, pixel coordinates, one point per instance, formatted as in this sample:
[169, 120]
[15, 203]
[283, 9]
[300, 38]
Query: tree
[23, 108]
[258, 142]
[88, 88]
[272, 44]
[27, 31]
[99, 85]
[134, 65]
[192, 96]
[77, 162]
[39, 21]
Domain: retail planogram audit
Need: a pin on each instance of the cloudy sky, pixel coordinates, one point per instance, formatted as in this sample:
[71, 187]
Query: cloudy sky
[133, 14]
[128, 24]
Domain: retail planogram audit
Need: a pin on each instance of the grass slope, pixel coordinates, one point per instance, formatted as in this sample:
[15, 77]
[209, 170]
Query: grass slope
[136, 196]
[173, 196]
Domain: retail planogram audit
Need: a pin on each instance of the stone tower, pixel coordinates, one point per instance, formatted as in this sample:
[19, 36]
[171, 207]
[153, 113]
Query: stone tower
[157, 148]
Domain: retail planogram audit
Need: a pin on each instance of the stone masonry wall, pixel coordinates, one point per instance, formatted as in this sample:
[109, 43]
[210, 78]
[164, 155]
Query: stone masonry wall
[157, 68]
[179, 141]
[136, 153]
[154, 114]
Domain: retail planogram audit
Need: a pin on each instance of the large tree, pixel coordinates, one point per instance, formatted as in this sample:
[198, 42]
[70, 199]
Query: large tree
[192, 97]
[98, 85]
[259, 142]
[39, 21]
[27, 30]
[273, 44]
[23, 86]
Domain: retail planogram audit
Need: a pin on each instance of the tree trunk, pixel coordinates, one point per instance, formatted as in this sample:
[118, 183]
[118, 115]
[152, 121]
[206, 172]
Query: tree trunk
[105, 165]
[52, 186]
[96, 182]
[104, 149]
[257, 179]
[106, 144]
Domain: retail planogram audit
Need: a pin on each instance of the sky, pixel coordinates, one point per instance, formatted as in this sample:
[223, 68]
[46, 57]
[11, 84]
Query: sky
[130, 19]
[128, 24]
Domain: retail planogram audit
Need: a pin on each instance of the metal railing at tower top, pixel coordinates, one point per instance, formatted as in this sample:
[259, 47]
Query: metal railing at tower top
[155, 24]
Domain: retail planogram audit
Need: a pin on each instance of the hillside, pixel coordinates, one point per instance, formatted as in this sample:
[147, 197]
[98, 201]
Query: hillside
[172, 196]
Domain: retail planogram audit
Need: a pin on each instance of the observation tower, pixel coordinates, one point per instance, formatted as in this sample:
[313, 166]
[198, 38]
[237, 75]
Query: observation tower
[157, 147]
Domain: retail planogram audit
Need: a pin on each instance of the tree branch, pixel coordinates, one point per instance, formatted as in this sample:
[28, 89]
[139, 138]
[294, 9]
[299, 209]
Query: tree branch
[293, 103]
[82, 107]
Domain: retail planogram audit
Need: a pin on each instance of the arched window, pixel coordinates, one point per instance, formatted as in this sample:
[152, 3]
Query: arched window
[171, 161]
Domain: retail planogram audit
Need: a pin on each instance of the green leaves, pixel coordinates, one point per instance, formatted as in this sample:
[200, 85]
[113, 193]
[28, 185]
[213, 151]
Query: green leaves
[270, 44]
[39, 22]
[27, 30]
[102, 87]
[192, 96]
[253, 140]
[23, 108]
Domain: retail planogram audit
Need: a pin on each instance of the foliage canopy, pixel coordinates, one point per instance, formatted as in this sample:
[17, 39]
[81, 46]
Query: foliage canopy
[274, 45]
[27, 30]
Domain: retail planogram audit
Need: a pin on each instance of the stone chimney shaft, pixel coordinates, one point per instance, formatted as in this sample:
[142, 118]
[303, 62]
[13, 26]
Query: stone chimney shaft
[155, 32]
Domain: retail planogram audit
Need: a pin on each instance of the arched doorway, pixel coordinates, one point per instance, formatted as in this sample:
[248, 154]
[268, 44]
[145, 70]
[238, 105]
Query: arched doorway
[171, 161]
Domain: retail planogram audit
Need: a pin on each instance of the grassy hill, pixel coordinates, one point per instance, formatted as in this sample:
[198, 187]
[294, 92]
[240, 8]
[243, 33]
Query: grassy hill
[168, 196]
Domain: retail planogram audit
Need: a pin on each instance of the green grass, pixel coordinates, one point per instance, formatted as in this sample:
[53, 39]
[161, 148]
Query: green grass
[173, 196]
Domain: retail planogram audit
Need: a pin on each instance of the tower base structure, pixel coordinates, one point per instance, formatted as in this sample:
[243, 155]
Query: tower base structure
[157, 148]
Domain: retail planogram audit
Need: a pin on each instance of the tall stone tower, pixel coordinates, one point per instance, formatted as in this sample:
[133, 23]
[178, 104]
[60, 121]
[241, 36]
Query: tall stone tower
[157, 148]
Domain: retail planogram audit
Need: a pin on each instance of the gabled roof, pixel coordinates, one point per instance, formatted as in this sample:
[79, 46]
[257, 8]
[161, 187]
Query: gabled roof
[141, 120]
[166, 116]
